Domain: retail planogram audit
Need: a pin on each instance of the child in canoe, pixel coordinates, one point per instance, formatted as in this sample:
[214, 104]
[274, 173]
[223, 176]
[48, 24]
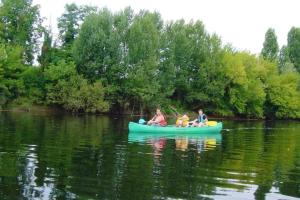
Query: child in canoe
[158, 119]
[182, 121]
[201, 119]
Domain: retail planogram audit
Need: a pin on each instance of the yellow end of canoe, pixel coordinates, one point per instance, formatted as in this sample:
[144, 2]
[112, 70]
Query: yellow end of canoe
[212, 123]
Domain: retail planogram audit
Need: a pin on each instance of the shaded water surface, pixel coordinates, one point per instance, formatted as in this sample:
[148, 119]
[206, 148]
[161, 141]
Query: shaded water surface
[94, 157]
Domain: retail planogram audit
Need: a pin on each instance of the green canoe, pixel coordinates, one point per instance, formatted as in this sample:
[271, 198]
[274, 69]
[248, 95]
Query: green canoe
[135, 127]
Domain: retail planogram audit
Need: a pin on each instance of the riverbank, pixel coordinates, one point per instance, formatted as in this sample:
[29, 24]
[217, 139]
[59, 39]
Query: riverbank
[35, 109]
[43, 109]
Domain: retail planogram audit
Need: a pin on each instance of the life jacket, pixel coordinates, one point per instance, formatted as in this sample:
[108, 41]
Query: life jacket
[184, 120]
[202, 118]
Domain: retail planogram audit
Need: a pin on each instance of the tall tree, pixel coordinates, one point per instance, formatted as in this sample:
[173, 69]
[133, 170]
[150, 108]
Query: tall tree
[167, 73]
[46, 52]
[143, 44]
[3, 89]
[294, 46]
[180, 56]
[94, 47]
[270, 46]
[101, 51]
[21, 25]
[69, 22]
[11, 69]
[285, 64]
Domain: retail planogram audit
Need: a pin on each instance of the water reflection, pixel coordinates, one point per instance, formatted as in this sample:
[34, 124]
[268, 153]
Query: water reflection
[94, 157]
[183, 142]
[35, 184]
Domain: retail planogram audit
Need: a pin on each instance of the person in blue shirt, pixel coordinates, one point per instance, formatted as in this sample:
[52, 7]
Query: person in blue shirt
[201, 119]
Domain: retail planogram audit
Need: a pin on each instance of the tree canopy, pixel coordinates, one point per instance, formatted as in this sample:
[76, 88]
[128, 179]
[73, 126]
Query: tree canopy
[133, 62]
[20, 24]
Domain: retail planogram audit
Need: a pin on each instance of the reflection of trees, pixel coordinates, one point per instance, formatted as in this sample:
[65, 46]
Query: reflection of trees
[67, 157]
[277, 159]
[269, 154]
[56, 140]
[290, 184]
[180, 174]
[28, 180]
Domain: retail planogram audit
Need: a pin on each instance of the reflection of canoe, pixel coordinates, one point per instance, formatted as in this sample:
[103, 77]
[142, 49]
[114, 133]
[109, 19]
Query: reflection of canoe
[142, 137]
[135, 127]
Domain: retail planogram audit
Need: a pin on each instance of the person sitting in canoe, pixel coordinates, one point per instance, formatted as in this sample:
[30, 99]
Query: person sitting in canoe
[182, 121]
[158, 119]
[201, 120]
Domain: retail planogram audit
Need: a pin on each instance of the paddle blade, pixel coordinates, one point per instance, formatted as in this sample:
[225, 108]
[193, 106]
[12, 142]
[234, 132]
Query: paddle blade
[212, 123]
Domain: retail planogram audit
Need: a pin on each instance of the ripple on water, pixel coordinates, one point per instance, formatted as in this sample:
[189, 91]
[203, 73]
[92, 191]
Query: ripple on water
[80, 157]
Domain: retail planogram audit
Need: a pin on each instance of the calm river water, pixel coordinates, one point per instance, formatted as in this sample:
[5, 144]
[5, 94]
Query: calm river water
[94, 157]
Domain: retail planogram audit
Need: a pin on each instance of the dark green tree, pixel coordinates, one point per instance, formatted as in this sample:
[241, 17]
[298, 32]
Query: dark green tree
[69, 22]
[270, 46]
[46, 56]
[293, 46]
[4, 93]
[143, 45]
[166, 68]
[285, 64]
[71, 91]
[34, 85]
[20, 24]
[179, 48]
[11, 69]
[93, 48]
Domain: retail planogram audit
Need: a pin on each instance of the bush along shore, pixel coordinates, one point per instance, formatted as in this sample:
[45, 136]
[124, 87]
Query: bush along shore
[128, 62]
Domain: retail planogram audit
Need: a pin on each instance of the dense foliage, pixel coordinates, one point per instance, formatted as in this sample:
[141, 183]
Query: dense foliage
[21, 25]
[133, 62]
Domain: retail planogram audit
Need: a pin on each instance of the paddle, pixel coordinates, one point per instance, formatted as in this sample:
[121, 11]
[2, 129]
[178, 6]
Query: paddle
[142, 121]
[174, 110]
[178, 114]
[211, 123]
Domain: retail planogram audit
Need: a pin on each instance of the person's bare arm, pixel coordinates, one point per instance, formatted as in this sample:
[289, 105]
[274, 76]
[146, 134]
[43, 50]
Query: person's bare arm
[153, 118]
[157, 119]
